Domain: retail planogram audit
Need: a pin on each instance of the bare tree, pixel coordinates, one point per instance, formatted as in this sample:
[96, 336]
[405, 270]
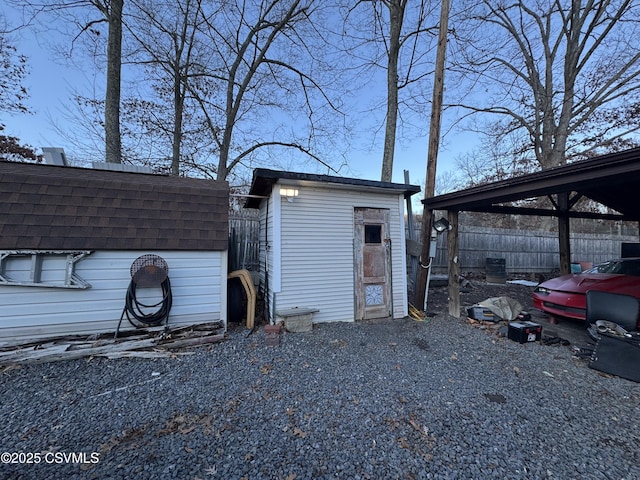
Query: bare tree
[13, 72]
[167, 35]
[13, 94]
[158, 128]
[237, 82]
[400, 28]
[548, 68]
[497, 157]
[80, 17]
[261, 66]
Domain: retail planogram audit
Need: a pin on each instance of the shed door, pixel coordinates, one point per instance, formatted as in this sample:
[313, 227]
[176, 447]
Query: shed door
[372, 262]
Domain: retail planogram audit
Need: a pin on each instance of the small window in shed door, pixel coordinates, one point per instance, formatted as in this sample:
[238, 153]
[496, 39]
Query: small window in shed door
[373, 234]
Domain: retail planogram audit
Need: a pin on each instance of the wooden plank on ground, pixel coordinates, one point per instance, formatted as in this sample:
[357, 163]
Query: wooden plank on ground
[145, 346]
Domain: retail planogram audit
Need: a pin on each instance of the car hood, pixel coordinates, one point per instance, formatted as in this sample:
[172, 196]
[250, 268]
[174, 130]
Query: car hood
[608, 282]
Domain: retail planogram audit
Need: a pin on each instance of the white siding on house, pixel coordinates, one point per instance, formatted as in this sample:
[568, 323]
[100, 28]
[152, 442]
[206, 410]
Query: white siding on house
[317, 259]
[198, 290]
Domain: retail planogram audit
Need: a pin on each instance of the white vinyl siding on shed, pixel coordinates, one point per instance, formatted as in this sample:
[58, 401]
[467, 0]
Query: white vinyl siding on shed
[198, 285]
[266, 273]
[317, 256]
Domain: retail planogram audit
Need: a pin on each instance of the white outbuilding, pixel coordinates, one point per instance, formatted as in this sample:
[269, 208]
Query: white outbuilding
[72, 239]
[331, 246]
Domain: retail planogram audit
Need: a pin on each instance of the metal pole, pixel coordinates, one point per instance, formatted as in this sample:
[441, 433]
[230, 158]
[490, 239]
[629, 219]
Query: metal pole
[426, 292]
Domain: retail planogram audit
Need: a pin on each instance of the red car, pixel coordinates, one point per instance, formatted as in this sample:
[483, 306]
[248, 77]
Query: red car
[565, 296]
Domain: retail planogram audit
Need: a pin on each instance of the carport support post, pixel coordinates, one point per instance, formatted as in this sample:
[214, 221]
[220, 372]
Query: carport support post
[454, 265]
[564, 243]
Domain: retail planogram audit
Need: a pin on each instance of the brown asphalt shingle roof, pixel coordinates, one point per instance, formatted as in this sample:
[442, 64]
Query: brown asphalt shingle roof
[46, 207]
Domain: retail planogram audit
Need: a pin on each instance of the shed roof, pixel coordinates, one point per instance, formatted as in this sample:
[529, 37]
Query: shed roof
[264, 180]
[46, 207]
[611, 180]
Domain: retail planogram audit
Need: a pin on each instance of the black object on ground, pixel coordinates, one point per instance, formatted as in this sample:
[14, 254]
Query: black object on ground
[617, 355]
[524, 332]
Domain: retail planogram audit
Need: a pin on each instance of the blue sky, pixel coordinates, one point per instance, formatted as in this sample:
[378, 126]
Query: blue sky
[48, 84]
[51, 85]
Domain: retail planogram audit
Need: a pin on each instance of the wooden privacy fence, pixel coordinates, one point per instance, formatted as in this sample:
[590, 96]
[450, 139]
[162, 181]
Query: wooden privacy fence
[523, 250]
[526, 251]
[244, 240]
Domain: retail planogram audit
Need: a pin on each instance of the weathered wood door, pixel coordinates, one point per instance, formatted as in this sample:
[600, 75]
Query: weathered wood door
[372, 263]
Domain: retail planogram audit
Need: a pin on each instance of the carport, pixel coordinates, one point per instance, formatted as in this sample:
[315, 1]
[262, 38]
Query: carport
[612, 180]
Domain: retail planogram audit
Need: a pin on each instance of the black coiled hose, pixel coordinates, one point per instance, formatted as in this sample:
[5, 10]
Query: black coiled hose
[133, 308]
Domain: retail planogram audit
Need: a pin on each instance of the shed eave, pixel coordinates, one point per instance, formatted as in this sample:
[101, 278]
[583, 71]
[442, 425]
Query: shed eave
[265, 179]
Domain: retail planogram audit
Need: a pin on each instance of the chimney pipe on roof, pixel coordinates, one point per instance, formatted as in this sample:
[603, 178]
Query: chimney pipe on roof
[55, 156]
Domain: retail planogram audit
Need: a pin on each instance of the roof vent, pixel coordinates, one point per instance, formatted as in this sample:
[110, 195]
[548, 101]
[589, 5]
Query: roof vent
[121, 167]
[55, 156]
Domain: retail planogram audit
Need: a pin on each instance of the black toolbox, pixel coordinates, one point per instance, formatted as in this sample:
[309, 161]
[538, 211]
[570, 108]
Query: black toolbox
[524, 331]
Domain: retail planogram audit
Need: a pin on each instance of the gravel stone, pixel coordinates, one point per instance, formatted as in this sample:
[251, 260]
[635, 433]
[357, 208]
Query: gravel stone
[401, 399]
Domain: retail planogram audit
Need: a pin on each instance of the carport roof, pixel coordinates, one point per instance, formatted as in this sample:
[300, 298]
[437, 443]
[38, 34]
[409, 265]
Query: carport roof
[612, 180]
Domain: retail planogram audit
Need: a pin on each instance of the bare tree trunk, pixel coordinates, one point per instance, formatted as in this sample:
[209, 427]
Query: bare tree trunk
[396, 16]
[113, 146]
[178, 111]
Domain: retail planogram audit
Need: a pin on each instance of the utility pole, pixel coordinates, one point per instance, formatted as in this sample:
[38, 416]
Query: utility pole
[432, 155]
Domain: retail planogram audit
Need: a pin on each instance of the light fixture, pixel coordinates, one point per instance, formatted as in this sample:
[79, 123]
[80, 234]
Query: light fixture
[288, 193]
[442, 225]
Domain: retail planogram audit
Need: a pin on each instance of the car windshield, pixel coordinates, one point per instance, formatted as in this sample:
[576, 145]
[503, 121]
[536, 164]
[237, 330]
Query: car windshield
[622, 267]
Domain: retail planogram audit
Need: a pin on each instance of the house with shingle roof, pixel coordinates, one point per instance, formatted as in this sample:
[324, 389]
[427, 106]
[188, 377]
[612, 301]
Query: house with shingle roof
[69, 238]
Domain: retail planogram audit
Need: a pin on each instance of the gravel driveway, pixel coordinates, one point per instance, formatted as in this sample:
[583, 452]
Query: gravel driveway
[402, 399]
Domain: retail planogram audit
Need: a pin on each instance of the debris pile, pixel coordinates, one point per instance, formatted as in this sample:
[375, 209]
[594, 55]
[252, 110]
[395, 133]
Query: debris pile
[145, 344]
